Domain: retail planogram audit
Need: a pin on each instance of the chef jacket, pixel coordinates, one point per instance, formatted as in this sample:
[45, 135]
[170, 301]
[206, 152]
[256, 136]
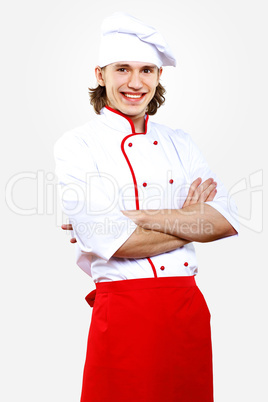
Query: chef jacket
[105, 167]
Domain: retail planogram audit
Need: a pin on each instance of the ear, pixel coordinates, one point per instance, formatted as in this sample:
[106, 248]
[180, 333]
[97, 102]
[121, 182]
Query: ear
[99, 73]
[159, 73]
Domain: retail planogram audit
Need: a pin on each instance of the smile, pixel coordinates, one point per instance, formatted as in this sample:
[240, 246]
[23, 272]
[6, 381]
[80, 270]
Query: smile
[133, 96]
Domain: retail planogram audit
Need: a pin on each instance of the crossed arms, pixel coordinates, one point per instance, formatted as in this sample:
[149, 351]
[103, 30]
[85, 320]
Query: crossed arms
[160, 231]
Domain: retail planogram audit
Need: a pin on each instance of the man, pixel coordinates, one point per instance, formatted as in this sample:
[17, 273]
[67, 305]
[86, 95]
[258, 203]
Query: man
[126, 189]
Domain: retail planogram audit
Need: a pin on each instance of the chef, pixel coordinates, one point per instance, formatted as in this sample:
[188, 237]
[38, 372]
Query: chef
[138, 194]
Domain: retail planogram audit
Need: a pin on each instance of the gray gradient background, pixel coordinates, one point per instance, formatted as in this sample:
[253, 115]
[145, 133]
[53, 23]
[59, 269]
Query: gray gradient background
[217, 93]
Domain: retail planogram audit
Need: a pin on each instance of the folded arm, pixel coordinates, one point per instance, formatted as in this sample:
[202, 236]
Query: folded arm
[143, 243]
[160, 231]
[147, 241]
[195, 221]
[199, 222]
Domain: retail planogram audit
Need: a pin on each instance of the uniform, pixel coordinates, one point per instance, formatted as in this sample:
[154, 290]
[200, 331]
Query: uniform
[149, 338]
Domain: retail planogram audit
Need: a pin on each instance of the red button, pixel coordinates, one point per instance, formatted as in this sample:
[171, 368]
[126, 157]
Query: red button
[155, 142]
[144, 184]
[186, 264]
[162, 268]
[130, 144]
[171, 181]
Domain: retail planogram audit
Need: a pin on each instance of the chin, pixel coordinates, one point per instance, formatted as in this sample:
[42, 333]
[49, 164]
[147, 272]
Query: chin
[133, 111]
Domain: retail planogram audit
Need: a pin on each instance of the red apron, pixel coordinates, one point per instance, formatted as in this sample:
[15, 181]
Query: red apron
[149, 341]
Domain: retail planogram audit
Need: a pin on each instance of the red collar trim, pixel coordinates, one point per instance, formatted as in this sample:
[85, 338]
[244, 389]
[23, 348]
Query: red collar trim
[129, 120]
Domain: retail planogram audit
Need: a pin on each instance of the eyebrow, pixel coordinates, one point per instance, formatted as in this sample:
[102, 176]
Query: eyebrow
[119, 65]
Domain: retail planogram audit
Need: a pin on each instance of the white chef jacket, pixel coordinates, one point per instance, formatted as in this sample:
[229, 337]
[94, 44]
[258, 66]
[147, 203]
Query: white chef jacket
[104, 167]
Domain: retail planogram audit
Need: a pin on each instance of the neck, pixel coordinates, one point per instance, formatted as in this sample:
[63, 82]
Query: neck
[139, 124]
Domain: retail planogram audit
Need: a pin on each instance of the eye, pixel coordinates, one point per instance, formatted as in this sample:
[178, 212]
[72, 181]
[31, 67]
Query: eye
[122, 70]
[147, 71]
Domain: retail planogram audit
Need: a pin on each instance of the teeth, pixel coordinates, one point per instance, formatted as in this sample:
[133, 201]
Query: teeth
[133, 96]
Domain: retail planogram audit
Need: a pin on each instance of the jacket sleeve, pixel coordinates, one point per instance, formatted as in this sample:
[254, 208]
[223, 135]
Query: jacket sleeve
[198, 167]
[90, 199]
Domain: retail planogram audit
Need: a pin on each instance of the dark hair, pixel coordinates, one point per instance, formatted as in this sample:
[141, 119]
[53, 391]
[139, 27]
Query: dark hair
[98, 99]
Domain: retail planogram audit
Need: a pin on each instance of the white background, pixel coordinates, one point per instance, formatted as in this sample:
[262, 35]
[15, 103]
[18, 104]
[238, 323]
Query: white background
[217, 93]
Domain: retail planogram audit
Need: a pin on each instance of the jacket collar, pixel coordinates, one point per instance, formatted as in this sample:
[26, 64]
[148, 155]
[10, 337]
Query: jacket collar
[120, 122]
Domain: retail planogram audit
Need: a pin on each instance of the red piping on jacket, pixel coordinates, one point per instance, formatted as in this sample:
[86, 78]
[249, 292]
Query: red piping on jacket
[130, 166]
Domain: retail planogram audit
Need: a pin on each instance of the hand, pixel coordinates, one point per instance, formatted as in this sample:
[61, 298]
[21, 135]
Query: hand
[201, 192]
[68, 226]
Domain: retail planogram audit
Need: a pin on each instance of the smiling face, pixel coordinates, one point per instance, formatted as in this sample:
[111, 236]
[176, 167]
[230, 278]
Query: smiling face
[130, 86]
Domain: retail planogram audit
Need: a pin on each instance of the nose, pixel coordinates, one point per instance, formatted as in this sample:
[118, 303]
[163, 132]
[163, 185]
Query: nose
[135, 81]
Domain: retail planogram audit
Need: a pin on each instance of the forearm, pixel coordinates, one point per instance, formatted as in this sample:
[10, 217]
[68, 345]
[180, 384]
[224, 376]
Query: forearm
[147, 243]
[197, 222]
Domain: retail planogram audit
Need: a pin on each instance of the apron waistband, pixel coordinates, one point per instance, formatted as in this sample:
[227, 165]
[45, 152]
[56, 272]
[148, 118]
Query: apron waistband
[141, 283]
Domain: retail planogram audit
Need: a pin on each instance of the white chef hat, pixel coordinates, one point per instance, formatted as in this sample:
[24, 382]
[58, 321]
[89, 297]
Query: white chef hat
[125, 38]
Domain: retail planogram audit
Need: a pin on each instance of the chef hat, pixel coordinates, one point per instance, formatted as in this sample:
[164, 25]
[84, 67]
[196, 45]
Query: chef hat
[125, 38]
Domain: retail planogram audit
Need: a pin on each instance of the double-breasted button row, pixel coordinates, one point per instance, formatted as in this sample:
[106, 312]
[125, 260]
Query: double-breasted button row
[163, 267]
[130, 144]
[171, 181]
